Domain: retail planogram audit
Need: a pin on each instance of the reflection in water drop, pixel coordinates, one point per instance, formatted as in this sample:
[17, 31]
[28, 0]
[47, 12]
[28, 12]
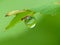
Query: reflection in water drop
[30, 21]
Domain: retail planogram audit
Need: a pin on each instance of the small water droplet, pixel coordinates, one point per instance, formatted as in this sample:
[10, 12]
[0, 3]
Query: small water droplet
[30, 21]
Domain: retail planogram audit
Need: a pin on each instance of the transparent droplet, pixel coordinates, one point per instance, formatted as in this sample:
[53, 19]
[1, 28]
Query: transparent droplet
[30, 21]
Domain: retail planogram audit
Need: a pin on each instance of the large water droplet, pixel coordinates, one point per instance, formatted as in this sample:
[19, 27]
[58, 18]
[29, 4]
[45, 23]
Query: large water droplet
[30, 21]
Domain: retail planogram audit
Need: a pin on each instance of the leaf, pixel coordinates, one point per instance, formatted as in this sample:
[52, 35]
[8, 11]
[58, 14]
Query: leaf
[18, 17]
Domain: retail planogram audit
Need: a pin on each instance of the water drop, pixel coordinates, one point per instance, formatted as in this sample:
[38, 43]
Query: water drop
[30, 21]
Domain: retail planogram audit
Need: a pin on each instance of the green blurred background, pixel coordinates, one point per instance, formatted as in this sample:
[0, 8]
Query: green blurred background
[19, 34]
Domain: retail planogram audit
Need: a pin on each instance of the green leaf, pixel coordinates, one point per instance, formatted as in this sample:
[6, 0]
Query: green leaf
[18, 17]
